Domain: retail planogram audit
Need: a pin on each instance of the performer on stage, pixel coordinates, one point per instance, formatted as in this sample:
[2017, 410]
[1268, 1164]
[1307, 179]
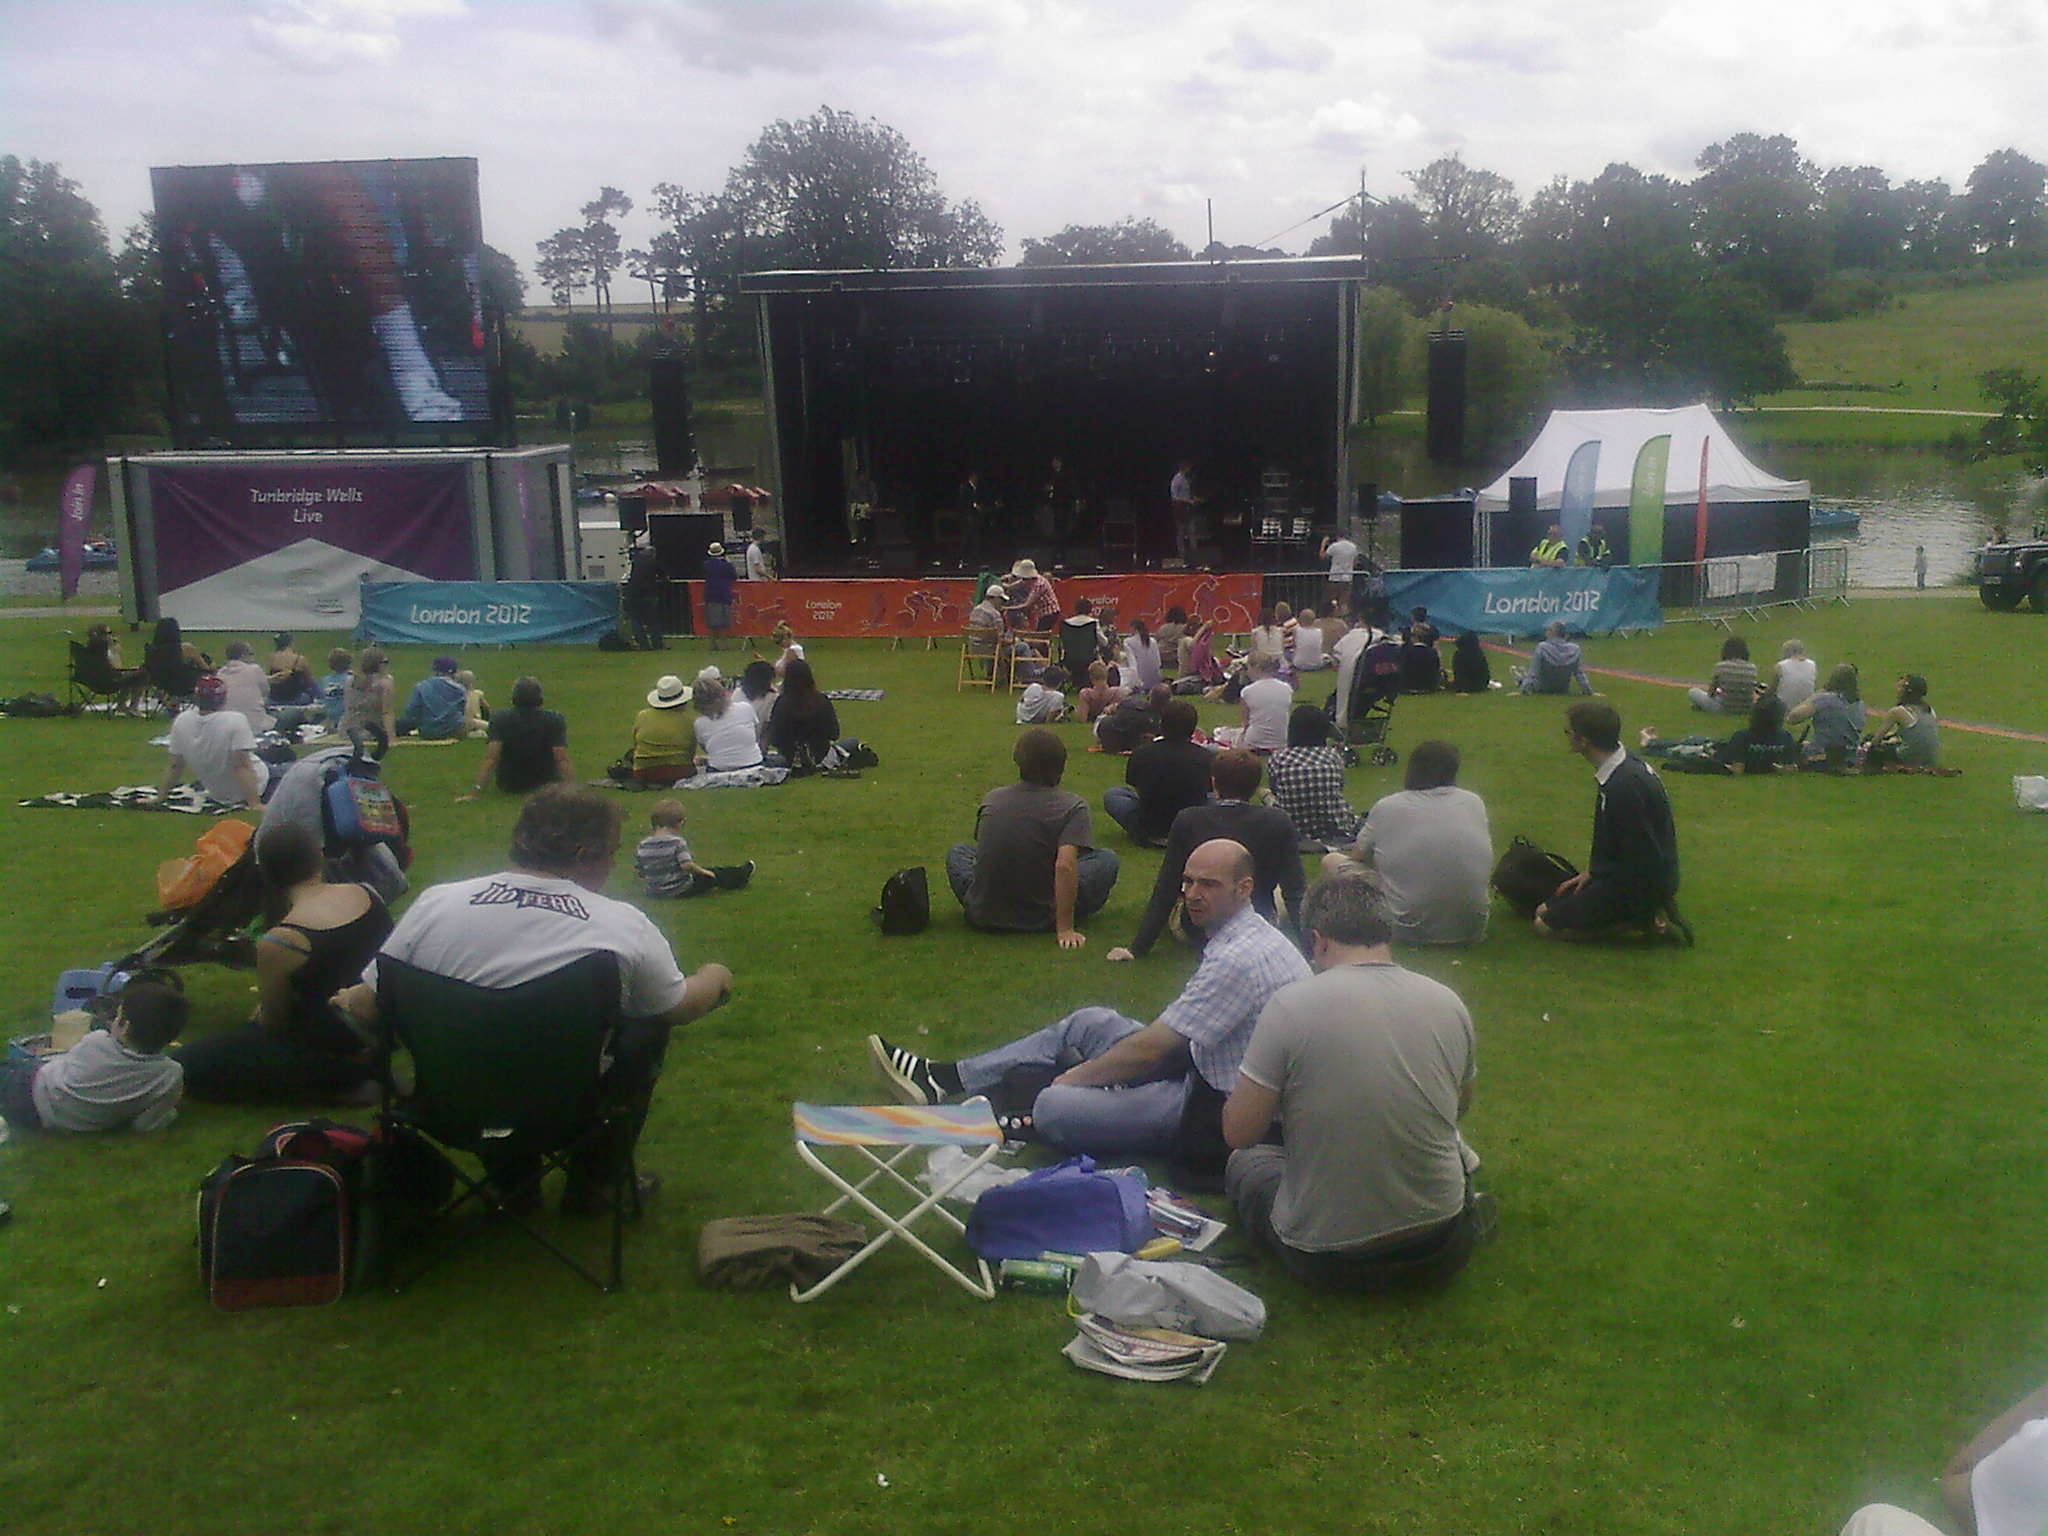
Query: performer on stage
[1182, 493]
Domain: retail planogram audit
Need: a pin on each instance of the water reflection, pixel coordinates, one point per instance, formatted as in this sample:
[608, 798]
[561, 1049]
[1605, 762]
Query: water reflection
[1908, 499]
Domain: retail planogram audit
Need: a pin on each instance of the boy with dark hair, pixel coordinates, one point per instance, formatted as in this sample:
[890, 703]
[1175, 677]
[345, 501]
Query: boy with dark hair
[113, 1077]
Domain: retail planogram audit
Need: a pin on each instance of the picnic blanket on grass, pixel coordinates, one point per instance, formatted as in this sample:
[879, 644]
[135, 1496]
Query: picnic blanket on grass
[186, 798]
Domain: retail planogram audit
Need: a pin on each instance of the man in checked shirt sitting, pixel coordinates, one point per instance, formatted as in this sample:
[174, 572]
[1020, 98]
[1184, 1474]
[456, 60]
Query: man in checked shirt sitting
[1170, 1077]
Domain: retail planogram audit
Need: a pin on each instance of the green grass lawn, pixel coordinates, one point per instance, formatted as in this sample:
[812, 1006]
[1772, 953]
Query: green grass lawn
[1770, 1207]
[1925, 350]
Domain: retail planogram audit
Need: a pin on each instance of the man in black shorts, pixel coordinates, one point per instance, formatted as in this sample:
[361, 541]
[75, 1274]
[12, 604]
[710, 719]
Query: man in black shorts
[1631, 878]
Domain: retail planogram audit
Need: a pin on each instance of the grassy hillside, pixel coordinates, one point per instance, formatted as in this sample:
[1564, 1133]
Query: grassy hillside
[542, 326]
[1925, 351]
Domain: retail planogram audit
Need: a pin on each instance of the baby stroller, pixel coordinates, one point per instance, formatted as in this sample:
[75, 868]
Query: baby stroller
[1375, 688]
[214, 928]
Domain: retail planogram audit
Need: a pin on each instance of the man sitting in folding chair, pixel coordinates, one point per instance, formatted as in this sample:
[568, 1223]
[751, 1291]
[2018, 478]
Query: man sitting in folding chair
[529, 922]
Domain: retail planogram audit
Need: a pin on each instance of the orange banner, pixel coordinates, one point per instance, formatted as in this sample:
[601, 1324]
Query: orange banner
[882, 609]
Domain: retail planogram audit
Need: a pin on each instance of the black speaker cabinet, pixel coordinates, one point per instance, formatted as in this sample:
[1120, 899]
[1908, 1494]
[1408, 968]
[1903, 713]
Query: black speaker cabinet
[675, 437]
[1446, 431]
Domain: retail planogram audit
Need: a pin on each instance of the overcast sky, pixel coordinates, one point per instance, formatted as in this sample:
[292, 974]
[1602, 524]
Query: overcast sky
[1048, 112]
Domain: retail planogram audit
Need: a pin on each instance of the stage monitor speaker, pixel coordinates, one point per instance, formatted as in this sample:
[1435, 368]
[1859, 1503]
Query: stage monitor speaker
[680, 541]
[1446, 431]
[668, 395]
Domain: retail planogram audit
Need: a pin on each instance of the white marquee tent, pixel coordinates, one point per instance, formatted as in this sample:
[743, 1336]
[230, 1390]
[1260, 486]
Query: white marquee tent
[1731, 478]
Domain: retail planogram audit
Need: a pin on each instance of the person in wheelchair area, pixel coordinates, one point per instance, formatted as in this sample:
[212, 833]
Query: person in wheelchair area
[544, 911]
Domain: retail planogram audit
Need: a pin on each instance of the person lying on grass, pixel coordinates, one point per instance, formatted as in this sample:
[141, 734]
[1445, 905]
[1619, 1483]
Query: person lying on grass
[1763, 745]
[1101, 1082]
[114, 1077]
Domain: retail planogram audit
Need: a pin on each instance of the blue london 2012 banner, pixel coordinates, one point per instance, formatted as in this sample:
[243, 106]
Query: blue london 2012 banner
[487, 612]
[1513, 601]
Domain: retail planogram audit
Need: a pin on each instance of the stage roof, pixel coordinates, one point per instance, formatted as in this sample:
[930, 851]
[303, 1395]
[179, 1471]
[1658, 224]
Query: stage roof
[1292, 269]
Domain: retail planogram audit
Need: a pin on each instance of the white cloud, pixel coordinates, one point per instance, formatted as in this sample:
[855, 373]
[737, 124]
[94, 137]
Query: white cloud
[319, 36]
[1048, 112]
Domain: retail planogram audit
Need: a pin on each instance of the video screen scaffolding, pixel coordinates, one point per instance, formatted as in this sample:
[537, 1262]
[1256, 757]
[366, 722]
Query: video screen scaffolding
[898, 383]
[326, 305]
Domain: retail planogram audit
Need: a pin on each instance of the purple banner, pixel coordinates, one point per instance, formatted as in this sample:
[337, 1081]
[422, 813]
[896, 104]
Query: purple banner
[74, 512]
[285, 545]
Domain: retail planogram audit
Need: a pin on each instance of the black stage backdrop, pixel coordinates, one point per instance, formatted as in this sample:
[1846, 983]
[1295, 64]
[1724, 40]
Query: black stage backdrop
[917, 378]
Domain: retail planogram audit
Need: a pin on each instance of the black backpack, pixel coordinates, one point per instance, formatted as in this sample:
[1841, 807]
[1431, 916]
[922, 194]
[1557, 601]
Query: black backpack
[279, 1229]
[1527, 876]
[906, 905]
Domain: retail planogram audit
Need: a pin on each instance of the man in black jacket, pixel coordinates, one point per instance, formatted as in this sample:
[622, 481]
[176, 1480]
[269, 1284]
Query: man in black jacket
[1631, 878]
[1264, 831]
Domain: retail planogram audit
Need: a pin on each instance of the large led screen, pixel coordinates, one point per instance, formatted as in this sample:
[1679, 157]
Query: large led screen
[334, 304]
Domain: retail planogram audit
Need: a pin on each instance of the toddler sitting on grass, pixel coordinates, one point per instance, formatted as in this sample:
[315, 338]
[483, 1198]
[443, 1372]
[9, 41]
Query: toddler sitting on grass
[1045, 701]
[113, 1077]
[665, 865]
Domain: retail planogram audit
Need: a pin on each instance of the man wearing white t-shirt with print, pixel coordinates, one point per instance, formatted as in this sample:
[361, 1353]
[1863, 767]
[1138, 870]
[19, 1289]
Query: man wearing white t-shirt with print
[544, 912]
[216, 745]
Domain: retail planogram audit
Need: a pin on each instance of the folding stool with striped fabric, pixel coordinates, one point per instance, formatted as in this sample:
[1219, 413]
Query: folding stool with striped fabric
[859, 1130]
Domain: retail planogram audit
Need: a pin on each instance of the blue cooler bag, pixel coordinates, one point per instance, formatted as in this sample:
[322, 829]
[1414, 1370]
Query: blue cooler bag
[1071, 1207]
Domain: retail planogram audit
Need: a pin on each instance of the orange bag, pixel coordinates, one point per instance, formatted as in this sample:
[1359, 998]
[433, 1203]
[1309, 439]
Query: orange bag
[180, 883]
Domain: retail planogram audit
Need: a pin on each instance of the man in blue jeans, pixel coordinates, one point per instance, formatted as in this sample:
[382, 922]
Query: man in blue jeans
[1033, 865]
[1129, 1088]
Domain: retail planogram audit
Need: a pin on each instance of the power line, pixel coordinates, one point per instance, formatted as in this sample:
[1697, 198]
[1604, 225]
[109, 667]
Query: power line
[1360, 194]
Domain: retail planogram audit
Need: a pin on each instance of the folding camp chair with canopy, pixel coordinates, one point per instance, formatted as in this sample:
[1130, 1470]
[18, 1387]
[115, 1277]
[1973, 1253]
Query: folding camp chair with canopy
[854, 1132]
[514, 1076]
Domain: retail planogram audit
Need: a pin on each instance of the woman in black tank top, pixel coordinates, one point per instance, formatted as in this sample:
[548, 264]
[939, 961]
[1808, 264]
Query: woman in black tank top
[296, 1048]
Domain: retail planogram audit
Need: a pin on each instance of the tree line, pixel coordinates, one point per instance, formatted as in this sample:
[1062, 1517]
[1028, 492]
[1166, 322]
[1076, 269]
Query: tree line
[1626, 288]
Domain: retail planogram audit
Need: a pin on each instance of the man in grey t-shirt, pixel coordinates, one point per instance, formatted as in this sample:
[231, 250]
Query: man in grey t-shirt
[1433, 850]
[1033, 864]
[1369, 1067]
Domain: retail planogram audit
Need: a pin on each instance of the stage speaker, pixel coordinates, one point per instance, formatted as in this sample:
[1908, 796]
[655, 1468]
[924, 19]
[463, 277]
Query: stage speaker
[675, 438]
[1368, 505]
[680, 540]
[632, 514]
[1446, 432]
